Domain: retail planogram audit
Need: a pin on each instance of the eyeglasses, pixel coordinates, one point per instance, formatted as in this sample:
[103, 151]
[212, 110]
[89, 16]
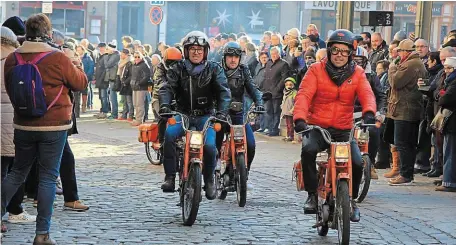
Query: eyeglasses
[137, 57]
[344, 52]
[233, 51]
[421, 46]
[197, 40]
[196, 50]
[309, 58]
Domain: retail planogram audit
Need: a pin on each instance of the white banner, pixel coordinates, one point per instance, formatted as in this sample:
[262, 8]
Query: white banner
[331, 5]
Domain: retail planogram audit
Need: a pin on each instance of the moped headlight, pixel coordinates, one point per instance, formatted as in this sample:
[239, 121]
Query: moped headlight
[196, 140]
[342, 153]
[238, 132]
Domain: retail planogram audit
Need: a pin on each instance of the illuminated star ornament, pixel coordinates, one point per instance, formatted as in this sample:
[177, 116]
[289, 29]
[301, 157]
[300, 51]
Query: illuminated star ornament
[255, 19]
[223, 18]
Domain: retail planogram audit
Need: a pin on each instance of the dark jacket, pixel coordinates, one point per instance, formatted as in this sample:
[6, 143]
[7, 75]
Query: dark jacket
[89, 66]
[321, 43]
[158, 78]
[448, 101]
[252, 63]
[240, 81]
[140, 76]
[275, 75]
[380, 95]
[381, 53]
[101, 72]
[125, 80]
[405, 101]
[258, 77]
[204, 91]
[111, 65]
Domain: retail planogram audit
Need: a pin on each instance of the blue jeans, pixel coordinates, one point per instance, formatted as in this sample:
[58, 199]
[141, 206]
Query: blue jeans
[406, 142]
[103, 95]
[449, 159]
[90, 93]
[113, 99]
[173, 132]
[247, 104]
[237, 119]
[147, 101]
[273, 112]
[48, 147]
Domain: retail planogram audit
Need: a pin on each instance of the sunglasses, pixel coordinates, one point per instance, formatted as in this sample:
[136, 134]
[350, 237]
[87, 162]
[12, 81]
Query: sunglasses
[233, 51]
[137, 57]
[344, 52]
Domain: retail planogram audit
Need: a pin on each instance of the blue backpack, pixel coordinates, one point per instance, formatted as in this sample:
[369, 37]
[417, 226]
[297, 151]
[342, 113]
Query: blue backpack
[27, 94]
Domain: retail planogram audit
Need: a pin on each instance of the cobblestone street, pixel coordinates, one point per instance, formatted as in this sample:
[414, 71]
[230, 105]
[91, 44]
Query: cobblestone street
[127, 205]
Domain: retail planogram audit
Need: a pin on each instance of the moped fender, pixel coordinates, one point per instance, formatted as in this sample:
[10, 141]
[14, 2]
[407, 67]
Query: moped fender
[343, 176]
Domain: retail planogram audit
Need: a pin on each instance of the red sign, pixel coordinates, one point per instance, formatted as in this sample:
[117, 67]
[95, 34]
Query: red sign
[156, 15]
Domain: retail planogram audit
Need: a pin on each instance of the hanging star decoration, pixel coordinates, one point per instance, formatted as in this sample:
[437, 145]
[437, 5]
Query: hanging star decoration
[255, 19]
[222, 18]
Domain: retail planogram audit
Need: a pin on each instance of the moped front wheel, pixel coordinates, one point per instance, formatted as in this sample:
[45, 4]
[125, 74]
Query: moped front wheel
[152, 154]
[191, 195]
[241, 180]
[323, 229]
[366, 179]
[343, 212]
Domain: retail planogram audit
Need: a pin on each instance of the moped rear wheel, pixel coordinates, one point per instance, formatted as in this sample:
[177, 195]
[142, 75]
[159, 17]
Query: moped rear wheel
[241, 180]
[191, 195]
[343, 211]
[366, 179]
[152, 154]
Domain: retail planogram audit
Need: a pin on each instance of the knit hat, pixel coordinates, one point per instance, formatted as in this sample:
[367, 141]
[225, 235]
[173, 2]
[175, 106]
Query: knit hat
[450, 61]
[293, 32]
[111, 45]
[16, 25]
[126, 51]
[136, 42]
[102, 45]
[8, 37]
[291, 79]
[310, 53]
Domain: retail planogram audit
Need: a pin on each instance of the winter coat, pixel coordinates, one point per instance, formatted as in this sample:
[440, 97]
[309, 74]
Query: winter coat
[321, 102]
[288, 102]
[7, 110]
[56, 71]
[110, 65]
[436, 77]
[275, 75]
[100, 72]
[380, 96]
[125, 80]
[258, 77]
[89, 66]
[251, 62]
[241, 84]
[405, 101]
[381, 53]
[448, 101]
[157, 78]
[384, 82]
[140, 76]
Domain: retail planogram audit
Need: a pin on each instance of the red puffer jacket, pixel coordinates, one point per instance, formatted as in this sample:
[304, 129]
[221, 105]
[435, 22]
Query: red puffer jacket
[321, 102]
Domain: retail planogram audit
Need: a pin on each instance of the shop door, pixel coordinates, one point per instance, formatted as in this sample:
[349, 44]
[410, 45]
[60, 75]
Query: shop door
[130, 21]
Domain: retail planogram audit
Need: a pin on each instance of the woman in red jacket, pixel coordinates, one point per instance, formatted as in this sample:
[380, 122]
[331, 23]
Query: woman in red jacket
[326, 98]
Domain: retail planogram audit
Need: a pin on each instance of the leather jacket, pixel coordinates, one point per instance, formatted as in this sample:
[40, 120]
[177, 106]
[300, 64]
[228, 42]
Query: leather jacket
[240, 80]
[202, 92]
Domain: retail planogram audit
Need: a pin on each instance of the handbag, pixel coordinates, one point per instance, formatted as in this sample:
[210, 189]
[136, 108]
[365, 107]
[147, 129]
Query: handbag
[441, 119]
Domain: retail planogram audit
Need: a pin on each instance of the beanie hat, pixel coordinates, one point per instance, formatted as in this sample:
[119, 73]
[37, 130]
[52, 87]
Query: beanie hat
[310, 52]
[102, 45]
[111, 45]
[450, 61]
[290, 79]
[16, 25]
[8, 37]
[294, 32]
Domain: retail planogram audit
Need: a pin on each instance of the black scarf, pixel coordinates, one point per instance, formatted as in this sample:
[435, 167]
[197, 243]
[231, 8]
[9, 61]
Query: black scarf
[43, 39]
[339, 74]
[435, 69]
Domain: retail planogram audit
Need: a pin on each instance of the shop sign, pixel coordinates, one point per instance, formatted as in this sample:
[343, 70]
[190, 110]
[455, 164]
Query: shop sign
[409, 8]
[331, 5]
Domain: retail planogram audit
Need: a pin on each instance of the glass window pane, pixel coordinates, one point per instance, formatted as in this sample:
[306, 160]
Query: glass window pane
[134, 15]
[125, 15]
[74, 22]
[24, 13]
[57, 19]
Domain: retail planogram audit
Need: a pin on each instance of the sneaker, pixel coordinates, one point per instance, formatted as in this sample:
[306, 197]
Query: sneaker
[266, 131]
[260, 130]
[374, 174]
[23, 217]
[102, 116]
[398, 181]
[445, 189]
[249, 186]
[75, 206]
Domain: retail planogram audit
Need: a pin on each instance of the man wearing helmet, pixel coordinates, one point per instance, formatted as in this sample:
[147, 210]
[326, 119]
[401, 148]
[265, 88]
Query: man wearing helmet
[240, 80]
[361, 58]
[326, 98]
[198, 86]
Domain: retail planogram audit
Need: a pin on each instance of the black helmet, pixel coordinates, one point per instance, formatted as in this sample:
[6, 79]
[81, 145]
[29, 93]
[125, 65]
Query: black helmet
[196, 38]
[231, 49]
[343, 36]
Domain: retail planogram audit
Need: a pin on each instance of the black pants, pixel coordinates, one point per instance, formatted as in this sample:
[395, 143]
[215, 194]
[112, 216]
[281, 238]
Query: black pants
[406, 141]
[424, 147]
[374, 142]
[313, 143]
[384, 151]
[273, 112]
[15, 205]
[68, 175]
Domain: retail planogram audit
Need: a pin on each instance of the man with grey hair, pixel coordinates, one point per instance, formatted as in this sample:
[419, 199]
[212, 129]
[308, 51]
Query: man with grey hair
[321, 54]
[379, 49]
[276, 72]
[422, 48]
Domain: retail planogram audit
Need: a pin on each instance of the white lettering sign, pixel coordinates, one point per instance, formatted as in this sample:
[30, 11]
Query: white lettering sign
[331, 5]
[46, 8]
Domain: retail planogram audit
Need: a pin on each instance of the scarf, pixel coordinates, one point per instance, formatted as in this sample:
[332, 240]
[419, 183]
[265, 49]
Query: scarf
[122, 64]
[288, 91]
[339, 74]
[193, 69]
[435, 69]
[405, 58]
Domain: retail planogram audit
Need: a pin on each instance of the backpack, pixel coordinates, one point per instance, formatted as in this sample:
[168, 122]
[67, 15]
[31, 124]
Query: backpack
[27, 94]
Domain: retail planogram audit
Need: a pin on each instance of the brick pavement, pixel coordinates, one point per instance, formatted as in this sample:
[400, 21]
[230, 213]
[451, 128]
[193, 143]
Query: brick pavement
[128, 207]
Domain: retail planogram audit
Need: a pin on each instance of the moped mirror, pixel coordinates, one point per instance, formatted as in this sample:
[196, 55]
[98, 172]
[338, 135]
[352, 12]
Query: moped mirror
[267, 96]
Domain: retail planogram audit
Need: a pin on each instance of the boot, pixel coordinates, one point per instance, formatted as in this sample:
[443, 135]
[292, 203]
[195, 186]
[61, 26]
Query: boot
[209, 187]
[374, 174]
[170, 183]
[436, 173]
[310, 207]
[395, 169]
[355, 214]
[84, 103]
[44, 239]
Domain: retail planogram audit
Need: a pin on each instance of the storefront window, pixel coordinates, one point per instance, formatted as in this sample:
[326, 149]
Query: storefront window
[58, 19]
[74, 23]
[24, 12]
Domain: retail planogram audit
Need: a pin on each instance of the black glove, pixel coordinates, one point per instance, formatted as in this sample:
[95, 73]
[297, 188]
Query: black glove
[369, 118]
[300, 125]
[221, 116]
[165, 109]
[260, 109]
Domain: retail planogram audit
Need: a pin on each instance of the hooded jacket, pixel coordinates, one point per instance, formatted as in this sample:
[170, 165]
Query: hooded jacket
[320, 101]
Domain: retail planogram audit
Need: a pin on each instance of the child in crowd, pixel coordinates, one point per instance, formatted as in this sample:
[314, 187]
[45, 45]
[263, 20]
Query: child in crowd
[289, 94]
